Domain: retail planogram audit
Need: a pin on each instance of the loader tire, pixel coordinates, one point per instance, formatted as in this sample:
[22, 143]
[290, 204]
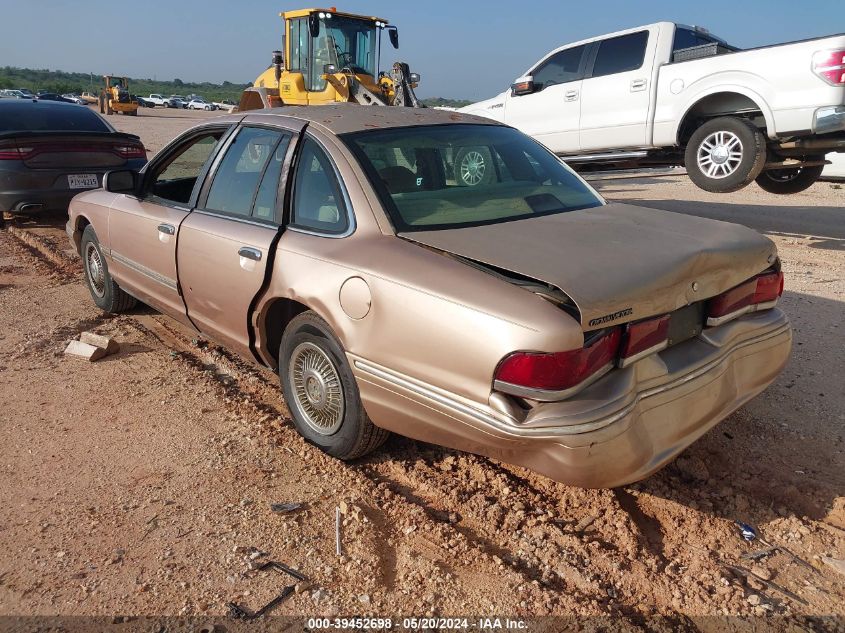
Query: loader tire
[725, 154]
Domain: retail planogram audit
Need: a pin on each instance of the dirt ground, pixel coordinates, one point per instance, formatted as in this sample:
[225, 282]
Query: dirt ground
[142, 484]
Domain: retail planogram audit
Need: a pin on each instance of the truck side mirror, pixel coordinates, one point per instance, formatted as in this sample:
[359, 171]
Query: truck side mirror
[329, 69]
[120, 181]
[314, 24]
[523, 86]
[393, 34]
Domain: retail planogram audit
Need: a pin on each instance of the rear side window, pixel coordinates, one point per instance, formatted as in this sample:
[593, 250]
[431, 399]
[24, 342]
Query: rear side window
[242, 168]
[559, 68]
[620, 54]
[64, 117]
[317, 199]
[687, 38]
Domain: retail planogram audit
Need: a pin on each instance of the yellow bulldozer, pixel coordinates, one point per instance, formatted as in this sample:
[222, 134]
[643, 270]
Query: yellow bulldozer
[332, 57]
[115, 97]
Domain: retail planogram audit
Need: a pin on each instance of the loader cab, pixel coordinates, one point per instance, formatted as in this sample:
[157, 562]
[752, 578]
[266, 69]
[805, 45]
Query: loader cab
[317, 39]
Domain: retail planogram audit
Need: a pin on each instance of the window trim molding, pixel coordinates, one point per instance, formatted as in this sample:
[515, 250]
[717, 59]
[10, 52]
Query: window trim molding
[351, 224]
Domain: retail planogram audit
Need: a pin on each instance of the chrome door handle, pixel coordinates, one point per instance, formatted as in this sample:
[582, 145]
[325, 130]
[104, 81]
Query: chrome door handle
[570, 95]
[167, 229]
[250, 253]
[638, 84]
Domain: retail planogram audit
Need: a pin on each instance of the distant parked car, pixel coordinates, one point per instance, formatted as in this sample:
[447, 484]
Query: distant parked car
[74, 98]
[226, 104]
[26, 92]
[144, 103]
[836, 169]
[12, 94]
[52, 96]
[178, 101]
[50, 151]
[199, 103]
[89, 97]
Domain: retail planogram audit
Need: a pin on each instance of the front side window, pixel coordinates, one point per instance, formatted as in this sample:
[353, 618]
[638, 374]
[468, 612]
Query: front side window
[560, 68]
[317, 198]
[451, 176]
[174, 178]
[247, 158]
[620, 54]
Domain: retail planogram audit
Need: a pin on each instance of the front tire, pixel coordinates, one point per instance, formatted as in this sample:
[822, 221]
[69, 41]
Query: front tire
[104, 290]
[725, 154]
[787, 181]
[321, 391]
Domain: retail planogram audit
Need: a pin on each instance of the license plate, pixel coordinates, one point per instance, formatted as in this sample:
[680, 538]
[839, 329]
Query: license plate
[83, 181]
[686, 323]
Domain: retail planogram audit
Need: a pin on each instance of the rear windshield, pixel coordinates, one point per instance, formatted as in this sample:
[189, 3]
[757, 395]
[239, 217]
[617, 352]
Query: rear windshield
[451, 176]
[28, 116]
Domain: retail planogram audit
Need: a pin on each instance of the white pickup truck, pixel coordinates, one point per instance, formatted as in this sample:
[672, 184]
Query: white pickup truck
[669, 95]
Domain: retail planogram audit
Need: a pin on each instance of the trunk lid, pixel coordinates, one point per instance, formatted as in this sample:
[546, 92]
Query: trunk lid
[617, 262]
[74, 150]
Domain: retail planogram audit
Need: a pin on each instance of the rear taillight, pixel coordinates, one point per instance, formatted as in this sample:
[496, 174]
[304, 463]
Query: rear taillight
[9, 150]
[130, 150]
[644, 338]
[560, 374]
[758, 293]
[830, 66]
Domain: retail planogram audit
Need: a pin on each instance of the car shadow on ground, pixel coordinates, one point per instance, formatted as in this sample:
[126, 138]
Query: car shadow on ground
[826, 225]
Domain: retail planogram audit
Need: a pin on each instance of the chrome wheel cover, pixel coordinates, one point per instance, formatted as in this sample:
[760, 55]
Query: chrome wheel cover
[473, 167]
[95, 270]
[719, 154]
[317, 388]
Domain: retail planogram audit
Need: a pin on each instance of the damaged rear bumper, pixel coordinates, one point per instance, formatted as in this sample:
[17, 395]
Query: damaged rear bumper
[621, 429]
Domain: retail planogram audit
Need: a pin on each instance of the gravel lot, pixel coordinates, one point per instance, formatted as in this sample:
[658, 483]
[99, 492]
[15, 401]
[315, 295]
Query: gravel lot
[142, 484]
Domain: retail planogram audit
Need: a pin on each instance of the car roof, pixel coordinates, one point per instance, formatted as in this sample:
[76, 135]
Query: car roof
[344, 118]
[35, 103]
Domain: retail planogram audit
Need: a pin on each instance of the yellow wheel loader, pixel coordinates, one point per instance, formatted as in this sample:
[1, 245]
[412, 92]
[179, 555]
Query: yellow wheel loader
[332, 57]
[114, 97]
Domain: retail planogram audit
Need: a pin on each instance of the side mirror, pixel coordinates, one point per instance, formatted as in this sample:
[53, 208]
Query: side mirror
[314, 24]
[120, 181]
[393, 34]
[414, 78]
[523, 86]
[329, 69]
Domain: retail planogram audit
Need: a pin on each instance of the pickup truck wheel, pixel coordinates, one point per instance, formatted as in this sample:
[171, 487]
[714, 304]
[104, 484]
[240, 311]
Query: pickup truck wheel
[725, 154]
[473, 166]
[104, 290]
[321, 391]
[786, 181]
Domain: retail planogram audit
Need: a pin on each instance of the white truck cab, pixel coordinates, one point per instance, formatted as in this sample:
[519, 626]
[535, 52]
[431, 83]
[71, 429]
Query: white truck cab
[668, 94]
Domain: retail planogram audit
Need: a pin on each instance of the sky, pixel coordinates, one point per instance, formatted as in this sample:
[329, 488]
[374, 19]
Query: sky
[462, 49]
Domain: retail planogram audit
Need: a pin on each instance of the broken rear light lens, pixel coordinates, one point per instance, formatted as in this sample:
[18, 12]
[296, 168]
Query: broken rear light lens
[644, 338]
[746, 297]
[559, 371]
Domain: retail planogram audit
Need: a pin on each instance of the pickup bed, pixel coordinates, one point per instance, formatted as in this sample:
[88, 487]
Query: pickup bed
[672, 95]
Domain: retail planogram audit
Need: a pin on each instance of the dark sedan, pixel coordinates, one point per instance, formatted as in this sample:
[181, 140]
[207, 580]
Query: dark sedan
[50, 151]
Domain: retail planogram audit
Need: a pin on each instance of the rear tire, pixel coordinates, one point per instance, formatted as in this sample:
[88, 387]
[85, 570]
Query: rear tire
[321, 392]
[473, 166]
[104, 290]
[787, 181]
[725, 154]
